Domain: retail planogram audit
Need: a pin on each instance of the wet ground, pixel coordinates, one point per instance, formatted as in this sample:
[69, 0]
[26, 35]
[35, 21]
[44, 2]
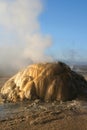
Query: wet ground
[11, 110]
[39, 115]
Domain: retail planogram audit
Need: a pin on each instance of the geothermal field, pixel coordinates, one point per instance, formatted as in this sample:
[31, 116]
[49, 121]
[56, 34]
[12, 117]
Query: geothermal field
[37, 90]
[44, 96]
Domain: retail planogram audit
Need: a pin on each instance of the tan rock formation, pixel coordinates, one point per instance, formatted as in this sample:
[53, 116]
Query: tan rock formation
[47, 81]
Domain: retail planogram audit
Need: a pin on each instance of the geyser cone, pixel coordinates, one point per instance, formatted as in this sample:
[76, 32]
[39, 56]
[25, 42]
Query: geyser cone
[47, 81]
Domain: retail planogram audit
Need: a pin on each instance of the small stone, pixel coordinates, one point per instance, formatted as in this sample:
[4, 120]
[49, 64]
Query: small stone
[27, 117]
[37, 101]
[33, 122]
[43, 107]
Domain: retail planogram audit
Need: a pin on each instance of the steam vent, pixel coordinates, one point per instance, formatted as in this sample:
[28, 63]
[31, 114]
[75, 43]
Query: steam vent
[46, 81]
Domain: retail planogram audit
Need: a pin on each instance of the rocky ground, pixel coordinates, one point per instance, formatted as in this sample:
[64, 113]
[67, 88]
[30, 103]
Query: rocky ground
[37, 115]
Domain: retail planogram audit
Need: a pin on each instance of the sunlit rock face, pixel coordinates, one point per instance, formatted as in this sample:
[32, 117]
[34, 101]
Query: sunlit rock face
[47, 81]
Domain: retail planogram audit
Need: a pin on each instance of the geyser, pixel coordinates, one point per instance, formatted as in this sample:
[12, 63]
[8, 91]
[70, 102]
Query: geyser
[46, 81]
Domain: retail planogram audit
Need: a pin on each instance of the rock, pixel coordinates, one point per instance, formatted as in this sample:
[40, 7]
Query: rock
[43, 107]
[37, 101]
[45, 81]
[2, 100]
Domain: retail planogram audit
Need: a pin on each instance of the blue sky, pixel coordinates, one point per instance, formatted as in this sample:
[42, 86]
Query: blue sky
[66, 22]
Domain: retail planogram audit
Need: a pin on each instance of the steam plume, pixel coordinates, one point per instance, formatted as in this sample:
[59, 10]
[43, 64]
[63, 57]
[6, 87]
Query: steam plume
[21, 40]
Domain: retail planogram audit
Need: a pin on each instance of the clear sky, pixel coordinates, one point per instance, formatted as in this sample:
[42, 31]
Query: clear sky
[66, 22]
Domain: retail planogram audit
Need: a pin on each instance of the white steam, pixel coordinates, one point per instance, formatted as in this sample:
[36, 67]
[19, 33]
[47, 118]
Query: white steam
[21, 40]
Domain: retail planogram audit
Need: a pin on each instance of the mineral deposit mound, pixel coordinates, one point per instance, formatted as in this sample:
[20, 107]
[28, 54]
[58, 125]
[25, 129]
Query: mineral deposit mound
[46, 81]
